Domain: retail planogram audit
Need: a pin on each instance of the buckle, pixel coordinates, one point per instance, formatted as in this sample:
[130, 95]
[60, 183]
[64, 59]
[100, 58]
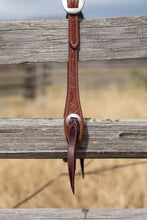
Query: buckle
[73, 116]
[73, 10]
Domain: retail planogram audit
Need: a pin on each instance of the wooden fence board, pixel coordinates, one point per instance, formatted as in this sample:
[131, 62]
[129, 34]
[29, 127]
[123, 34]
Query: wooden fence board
[120, 214]
[46, 40]
[44, 138]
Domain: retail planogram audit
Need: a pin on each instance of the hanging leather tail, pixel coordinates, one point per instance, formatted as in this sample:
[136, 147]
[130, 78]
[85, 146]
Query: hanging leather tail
[73, 117]
[71, 155]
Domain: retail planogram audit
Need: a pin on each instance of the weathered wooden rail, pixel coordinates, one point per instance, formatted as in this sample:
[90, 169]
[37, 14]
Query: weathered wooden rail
[44, 138]
[46, 41]
[138, 214]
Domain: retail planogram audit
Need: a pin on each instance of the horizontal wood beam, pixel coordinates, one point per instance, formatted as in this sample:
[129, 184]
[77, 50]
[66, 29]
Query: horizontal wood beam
[17, 214]
[46, 40]
[44, 138]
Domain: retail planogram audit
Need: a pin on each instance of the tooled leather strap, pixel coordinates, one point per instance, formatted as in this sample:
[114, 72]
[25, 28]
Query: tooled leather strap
[74, 131]
[73, 105]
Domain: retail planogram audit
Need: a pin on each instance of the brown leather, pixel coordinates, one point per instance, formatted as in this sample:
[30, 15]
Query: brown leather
[74, 131]
[73, 105]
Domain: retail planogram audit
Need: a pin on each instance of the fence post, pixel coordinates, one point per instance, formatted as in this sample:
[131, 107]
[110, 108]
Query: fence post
[35, 80]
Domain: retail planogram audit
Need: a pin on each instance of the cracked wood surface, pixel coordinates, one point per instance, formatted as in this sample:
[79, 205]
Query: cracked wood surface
[31, 41]
[119, 214]
[44, 138]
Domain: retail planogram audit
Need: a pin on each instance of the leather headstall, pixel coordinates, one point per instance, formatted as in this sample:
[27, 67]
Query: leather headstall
[73, 117]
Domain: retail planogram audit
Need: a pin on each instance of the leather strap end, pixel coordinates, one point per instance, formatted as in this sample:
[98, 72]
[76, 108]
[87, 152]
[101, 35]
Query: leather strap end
[71, 154]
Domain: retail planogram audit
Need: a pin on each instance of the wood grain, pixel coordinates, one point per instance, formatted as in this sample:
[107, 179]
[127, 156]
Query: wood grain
[44, 138]
[17, 214]
[46, 40]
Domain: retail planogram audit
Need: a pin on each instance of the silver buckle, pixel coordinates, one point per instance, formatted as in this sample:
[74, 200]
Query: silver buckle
[73, 10]
[73, 116]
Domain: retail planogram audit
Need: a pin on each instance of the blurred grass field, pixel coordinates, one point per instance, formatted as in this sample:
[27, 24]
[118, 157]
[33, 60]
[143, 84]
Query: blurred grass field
[108, 183]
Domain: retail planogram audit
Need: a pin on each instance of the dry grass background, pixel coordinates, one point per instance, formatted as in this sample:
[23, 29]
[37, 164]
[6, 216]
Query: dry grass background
[108, 183]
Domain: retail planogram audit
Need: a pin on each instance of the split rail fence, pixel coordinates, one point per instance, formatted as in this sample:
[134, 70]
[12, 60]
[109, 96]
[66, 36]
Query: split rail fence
[47, 41]
[26, 80]
[32, 80]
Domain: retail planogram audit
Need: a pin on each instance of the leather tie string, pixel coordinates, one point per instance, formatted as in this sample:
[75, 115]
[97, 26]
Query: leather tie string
[74, 126]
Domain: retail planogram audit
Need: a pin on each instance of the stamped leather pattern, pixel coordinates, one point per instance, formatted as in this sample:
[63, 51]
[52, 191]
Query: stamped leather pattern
[73, 105]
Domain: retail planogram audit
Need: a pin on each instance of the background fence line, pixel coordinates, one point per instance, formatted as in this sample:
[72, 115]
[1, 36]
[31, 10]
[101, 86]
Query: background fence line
[46, 41]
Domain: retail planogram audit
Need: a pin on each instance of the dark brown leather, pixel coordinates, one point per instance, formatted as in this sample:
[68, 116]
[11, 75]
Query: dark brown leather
[73, 137]
[74, 131]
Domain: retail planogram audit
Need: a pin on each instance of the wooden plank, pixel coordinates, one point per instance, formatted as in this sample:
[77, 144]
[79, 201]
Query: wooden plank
[119, 214]
[46, 40]
[44, 138]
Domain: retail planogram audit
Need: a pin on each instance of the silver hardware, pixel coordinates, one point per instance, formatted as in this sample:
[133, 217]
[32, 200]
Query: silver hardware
[73, 10]
[73, 116]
